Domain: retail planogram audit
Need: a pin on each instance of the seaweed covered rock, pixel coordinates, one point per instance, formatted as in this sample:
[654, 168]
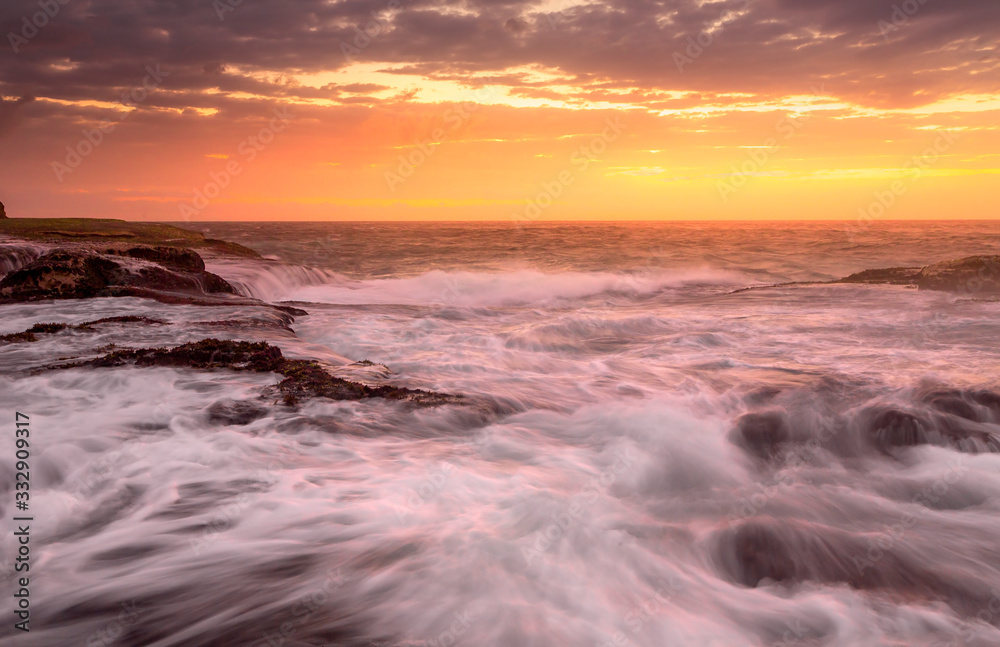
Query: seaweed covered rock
[304, 379]
[31, 334]
[205, 354]
[81, 274]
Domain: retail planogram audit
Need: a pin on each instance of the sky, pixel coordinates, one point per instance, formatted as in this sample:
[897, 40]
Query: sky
[194, 110]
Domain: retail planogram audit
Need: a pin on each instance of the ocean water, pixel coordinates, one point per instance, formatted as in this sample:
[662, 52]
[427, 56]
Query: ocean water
[649, 454]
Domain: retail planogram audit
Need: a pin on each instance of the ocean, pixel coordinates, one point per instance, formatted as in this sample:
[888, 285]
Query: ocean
[648, 453]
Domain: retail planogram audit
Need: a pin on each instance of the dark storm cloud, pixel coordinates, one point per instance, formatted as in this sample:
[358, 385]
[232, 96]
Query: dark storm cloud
[95, 49]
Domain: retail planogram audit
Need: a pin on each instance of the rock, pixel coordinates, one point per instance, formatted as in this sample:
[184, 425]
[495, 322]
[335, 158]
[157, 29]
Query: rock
[60, 274]
[3, 212]
[762, 434]
[304, 379]
[235, 412]
[124, 319]
[81, 274]
[892, 428]
[174, 258]
[952, 425]
[30, 335]
[889, 275]
[971, 275]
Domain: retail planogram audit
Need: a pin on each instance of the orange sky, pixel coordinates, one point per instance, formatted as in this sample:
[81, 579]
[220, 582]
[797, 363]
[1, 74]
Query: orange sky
[515, 110]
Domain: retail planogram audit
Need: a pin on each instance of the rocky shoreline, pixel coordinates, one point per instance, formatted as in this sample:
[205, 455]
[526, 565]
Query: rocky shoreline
[108, 258]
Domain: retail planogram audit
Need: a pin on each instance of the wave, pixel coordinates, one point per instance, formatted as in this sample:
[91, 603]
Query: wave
[522, 287]
[269, 281]
[14, 257]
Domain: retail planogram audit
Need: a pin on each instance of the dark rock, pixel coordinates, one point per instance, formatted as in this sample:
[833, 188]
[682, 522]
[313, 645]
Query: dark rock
[205, 354]
[81, 274]
[307, 379]
[971, 275]
[989, 400]
[295, 312]
[60, 274]
[303, 378]
[953, 403]
[126, 319]
[889, 275]
[756, 552]
[29, 335]
[174, 258]
[891, 428]
[765, 549]
[3, 212]
[235, 412]
[762, 434]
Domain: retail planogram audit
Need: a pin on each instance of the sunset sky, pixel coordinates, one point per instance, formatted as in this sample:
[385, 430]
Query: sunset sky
[464, 110]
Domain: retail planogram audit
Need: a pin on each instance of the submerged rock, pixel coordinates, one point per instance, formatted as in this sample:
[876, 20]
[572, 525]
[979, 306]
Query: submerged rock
[952, 424]
[235, 412]
[765, 550]
[762, 433]
[30, 335]
[304, 379]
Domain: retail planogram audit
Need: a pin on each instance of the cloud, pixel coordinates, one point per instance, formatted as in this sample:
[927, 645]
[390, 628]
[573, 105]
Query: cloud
[90, 51]
[10, 116]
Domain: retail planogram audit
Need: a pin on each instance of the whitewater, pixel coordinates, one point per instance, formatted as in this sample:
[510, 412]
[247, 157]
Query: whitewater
[649, 454]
